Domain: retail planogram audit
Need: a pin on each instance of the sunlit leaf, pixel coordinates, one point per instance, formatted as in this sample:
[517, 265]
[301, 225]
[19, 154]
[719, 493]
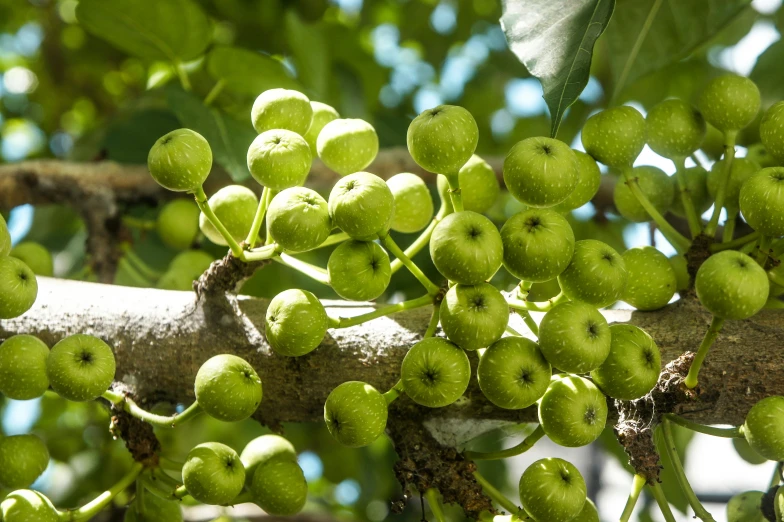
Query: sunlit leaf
[247, 72]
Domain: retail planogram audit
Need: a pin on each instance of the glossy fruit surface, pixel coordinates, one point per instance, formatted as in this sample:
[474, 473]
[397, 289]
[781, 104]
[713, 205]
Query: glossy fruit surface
[80, 367]
[632, 369]
[213, 473]
[279, 487]
[18, 287]
[596, 274]
[359, 270]
[732, 285]
[772, 131]
[442, 139]
[552, 490]
[35, 256]
[589, 178]
[589, 513]
[652, 281]
[25, 505]
[413, 203]
[23, 458]
[347, 145]
[745, 507]
[228, 388]
[435, 372]
[362, 205]
[574, 337]
[745, 452]
[296, 322]
[573, 411]
[235, 206]
[279, 159]
[512, 373]
[23, 367]
[466, 248]
[657, 186]
[180, 160]
[478, 185]
[538, 244]
[298, 219]
[675, 129]
[541, 172]
[474, 316]
[355, 413]
[322, 114]
[178, 224]
[764, 427]
[281, 109]
[264, 449]
[762, 201]
[729, 102]
[615, 136]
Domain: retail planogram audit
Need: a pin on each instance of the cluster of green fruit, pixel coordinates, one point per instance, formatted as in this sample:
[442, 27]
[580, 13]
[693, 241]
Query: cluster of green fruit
[18, 284]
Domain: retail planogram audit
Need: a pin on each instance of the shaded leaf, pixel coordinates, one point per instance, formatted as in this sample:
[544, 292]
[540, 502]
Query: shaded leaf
[311, 53]
[247, 72]
[175, 30]
[228, 138]
[768, 74]
[129, 140]
[554, 39]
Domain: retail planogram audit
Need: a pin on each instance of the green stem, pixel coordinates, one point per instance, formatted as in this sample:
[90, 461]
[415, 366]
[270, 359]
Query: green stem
[388, 242]
[777, 248]
[138, 223]
[183, 75]
[637, 484]
[345, 322]
[139, 263]
[728, 433]
[694, 370]
[435, 504]
[160, 421]
[180, 492]
[169, 464]
[394, 392]
[763, 250]
[735, 243]
[495, 495]
[677, 468]
[261, 210]
[201, 201]
[776, 278]
[433, 324]
[314, 272]
[267, 235]
[680, 243]
[214, 92]
[661, 499]
[424, 238]
[161, 476]
[263, 253]
[90, 509]
[242, 498]
[334, 239]
[529, 322]
[156, 488]
[721, 195]
[544, 306]
[455, 194]
[695, 225]
[141, 504]
[133, 273]
[729, 226]
[519, 449]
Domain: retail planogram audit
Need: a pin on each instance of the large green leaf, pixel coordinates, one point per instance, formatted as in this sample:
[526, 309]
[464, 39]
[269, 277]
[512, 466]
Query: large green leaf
[247, 72]
[310, 48]
[769, 75]
[228, 138]
[554, 39]
[646, 35]
[175, 30]
[129, 139]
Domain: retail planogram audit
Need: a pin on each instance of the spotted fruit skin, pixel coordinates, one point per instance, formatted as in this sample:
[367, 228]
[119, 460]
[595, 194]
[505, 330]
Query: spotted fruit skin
[235, 206]
[5, 238]
[573, 411]
[632, 368]
[296, 322]
[298, 219]
[538, 244]
[732, 285]
[479, 185]
[279, 487]
[180, 160]
[652, 281]
[359, 270]
[347, 145]
[228, 388]
[729, 102]
[279, 159]
[413, 203]
[466, 248]
[263, 449]
[589, 178]
[615, 136]
[541, 172]
[764, 427]
[657, 186]
[552, 490]
[355, 413]
[596, 274]
[675, 129]
[23, 367]
[435, 372]
[322, 114]
[281, 109]
[18, 287]
[442, 139]
[574, 337]
[772, 131]
[23, 458]
[762, 201]
[213, 473]
[26, 505]
[512, 373]
[80, 367]
[362, 205]
[474, 316]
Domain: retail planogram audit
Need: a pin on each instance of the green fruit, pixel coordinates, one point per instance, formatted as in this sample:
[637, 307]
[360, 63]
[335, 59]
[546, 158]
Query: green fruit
[359, 270]
[713, 146]
[264, 449]
[513, 374]
[23, 458]
[362, 205]
[153, 509]
[762, 201]
[466, 248]
[479, 185]
[296, 322]
[696, 181]
[279, 159]
[322, 114]
[552, 490]
[175, 281]
[574, 337]
[544, 291]
[760, 155]
[675, 129]
[347, 145]
[279, 487]
[589, 513]
[538, 244]
[572, 411]
[298, 219]
[192, 263]
[772, 131]
[596, 274]
[413, 204]
[652, 281]
[178, 224]
[213, 473]
[657, 186]
[355, 413]
[541, 172]
[746, 507]
[632, 369]
[23, 367]
[732, 285]
[745, 452]
[35, 256]
[180, 160]
[764, 427]
[281, 109]
[228, 388]
[615, 136]
[5, 238]
[80, 367]
[18, 287]
[435, 372]
[26, 505]
[442, 139]
[742, 170]
[235, 206]
[729, 102]
[474, 316]
[589, 177]
[681, 268]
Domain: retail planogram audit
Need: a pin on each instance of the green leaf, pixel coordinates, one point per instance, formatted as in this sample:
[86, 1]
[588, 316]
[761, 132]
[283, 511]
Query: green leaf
[311, 54]
[129, 139]
[554, 39]
[247, 72]
[769, 75]
[682, 437]
[646, 35]
[175, 30]
[228, 138]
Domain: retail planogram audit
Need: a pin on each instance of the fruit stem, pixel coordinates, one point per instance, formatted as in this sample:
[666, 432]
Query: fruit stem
[433, 324]
[166, 480]
[333, 240]
[424, 238]
[151, 484]
[180, 492]
[169, 464]
[314, 272]
[763, 250]
[727, 433]
[90, 509]
[394, 392]
[677, 467]
[388, 242]
[661, 499]
[138, 223]
[139, 263]
[454, 191]
[242, 498]
[529, 322]
[735, 243]
[214, 92]
[263, 253]
[695, 225]
[544, 306]
[680, 243]
[435, 504]
[160, 421]
[729, 226]
[268, 236]
[495, 495]
[637, 484]
[721, 195]
[183, 75]
[694, 370]
[777, 248]
[345, 322]
[521, 448]
[133, 273]
[201, 201]
[261, 211]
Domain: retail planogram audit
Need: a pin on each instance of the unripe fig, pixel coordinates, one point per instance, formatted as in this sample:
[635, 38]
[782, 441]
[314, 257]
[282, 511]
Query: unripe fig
[279, 487]
[729, 102]
[413, 204]
[760, 155]
[574, 337]
[80, 367]
[540, 172]
[178, 224]
[474, 316]
[18, 287]
[479, 185]
[762, 201]
[544, 291]
[355, 413]
[296, 322]
[772, 131]
[572, 411]
[235, 206]
[23, 367]
[538, 244]
[552, 490]
[512, 373]
[213, 473]
[5, 238]
[442, 139]
[279, 159]
[25, 505]
[681, 268]
[615, 136]
[589, 177]
[359, 270]
[153, 509]
[696, 179]
[35, 256]
[347, 145]
[596, 274]
[632, 368]
[745, 452]
[657, 186]
[764, 427]
[228, 388]
[466, 248]
[732, 285]
[362, 205]
[192, 263]
[281, 109]
[589, 513]
[298, 219]
[435, 372]
[264, 449]
[746, 507]
[675, 129]
[180, 160]
[322, 114]
[652, 281]
[742, 170]
[23, 458]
